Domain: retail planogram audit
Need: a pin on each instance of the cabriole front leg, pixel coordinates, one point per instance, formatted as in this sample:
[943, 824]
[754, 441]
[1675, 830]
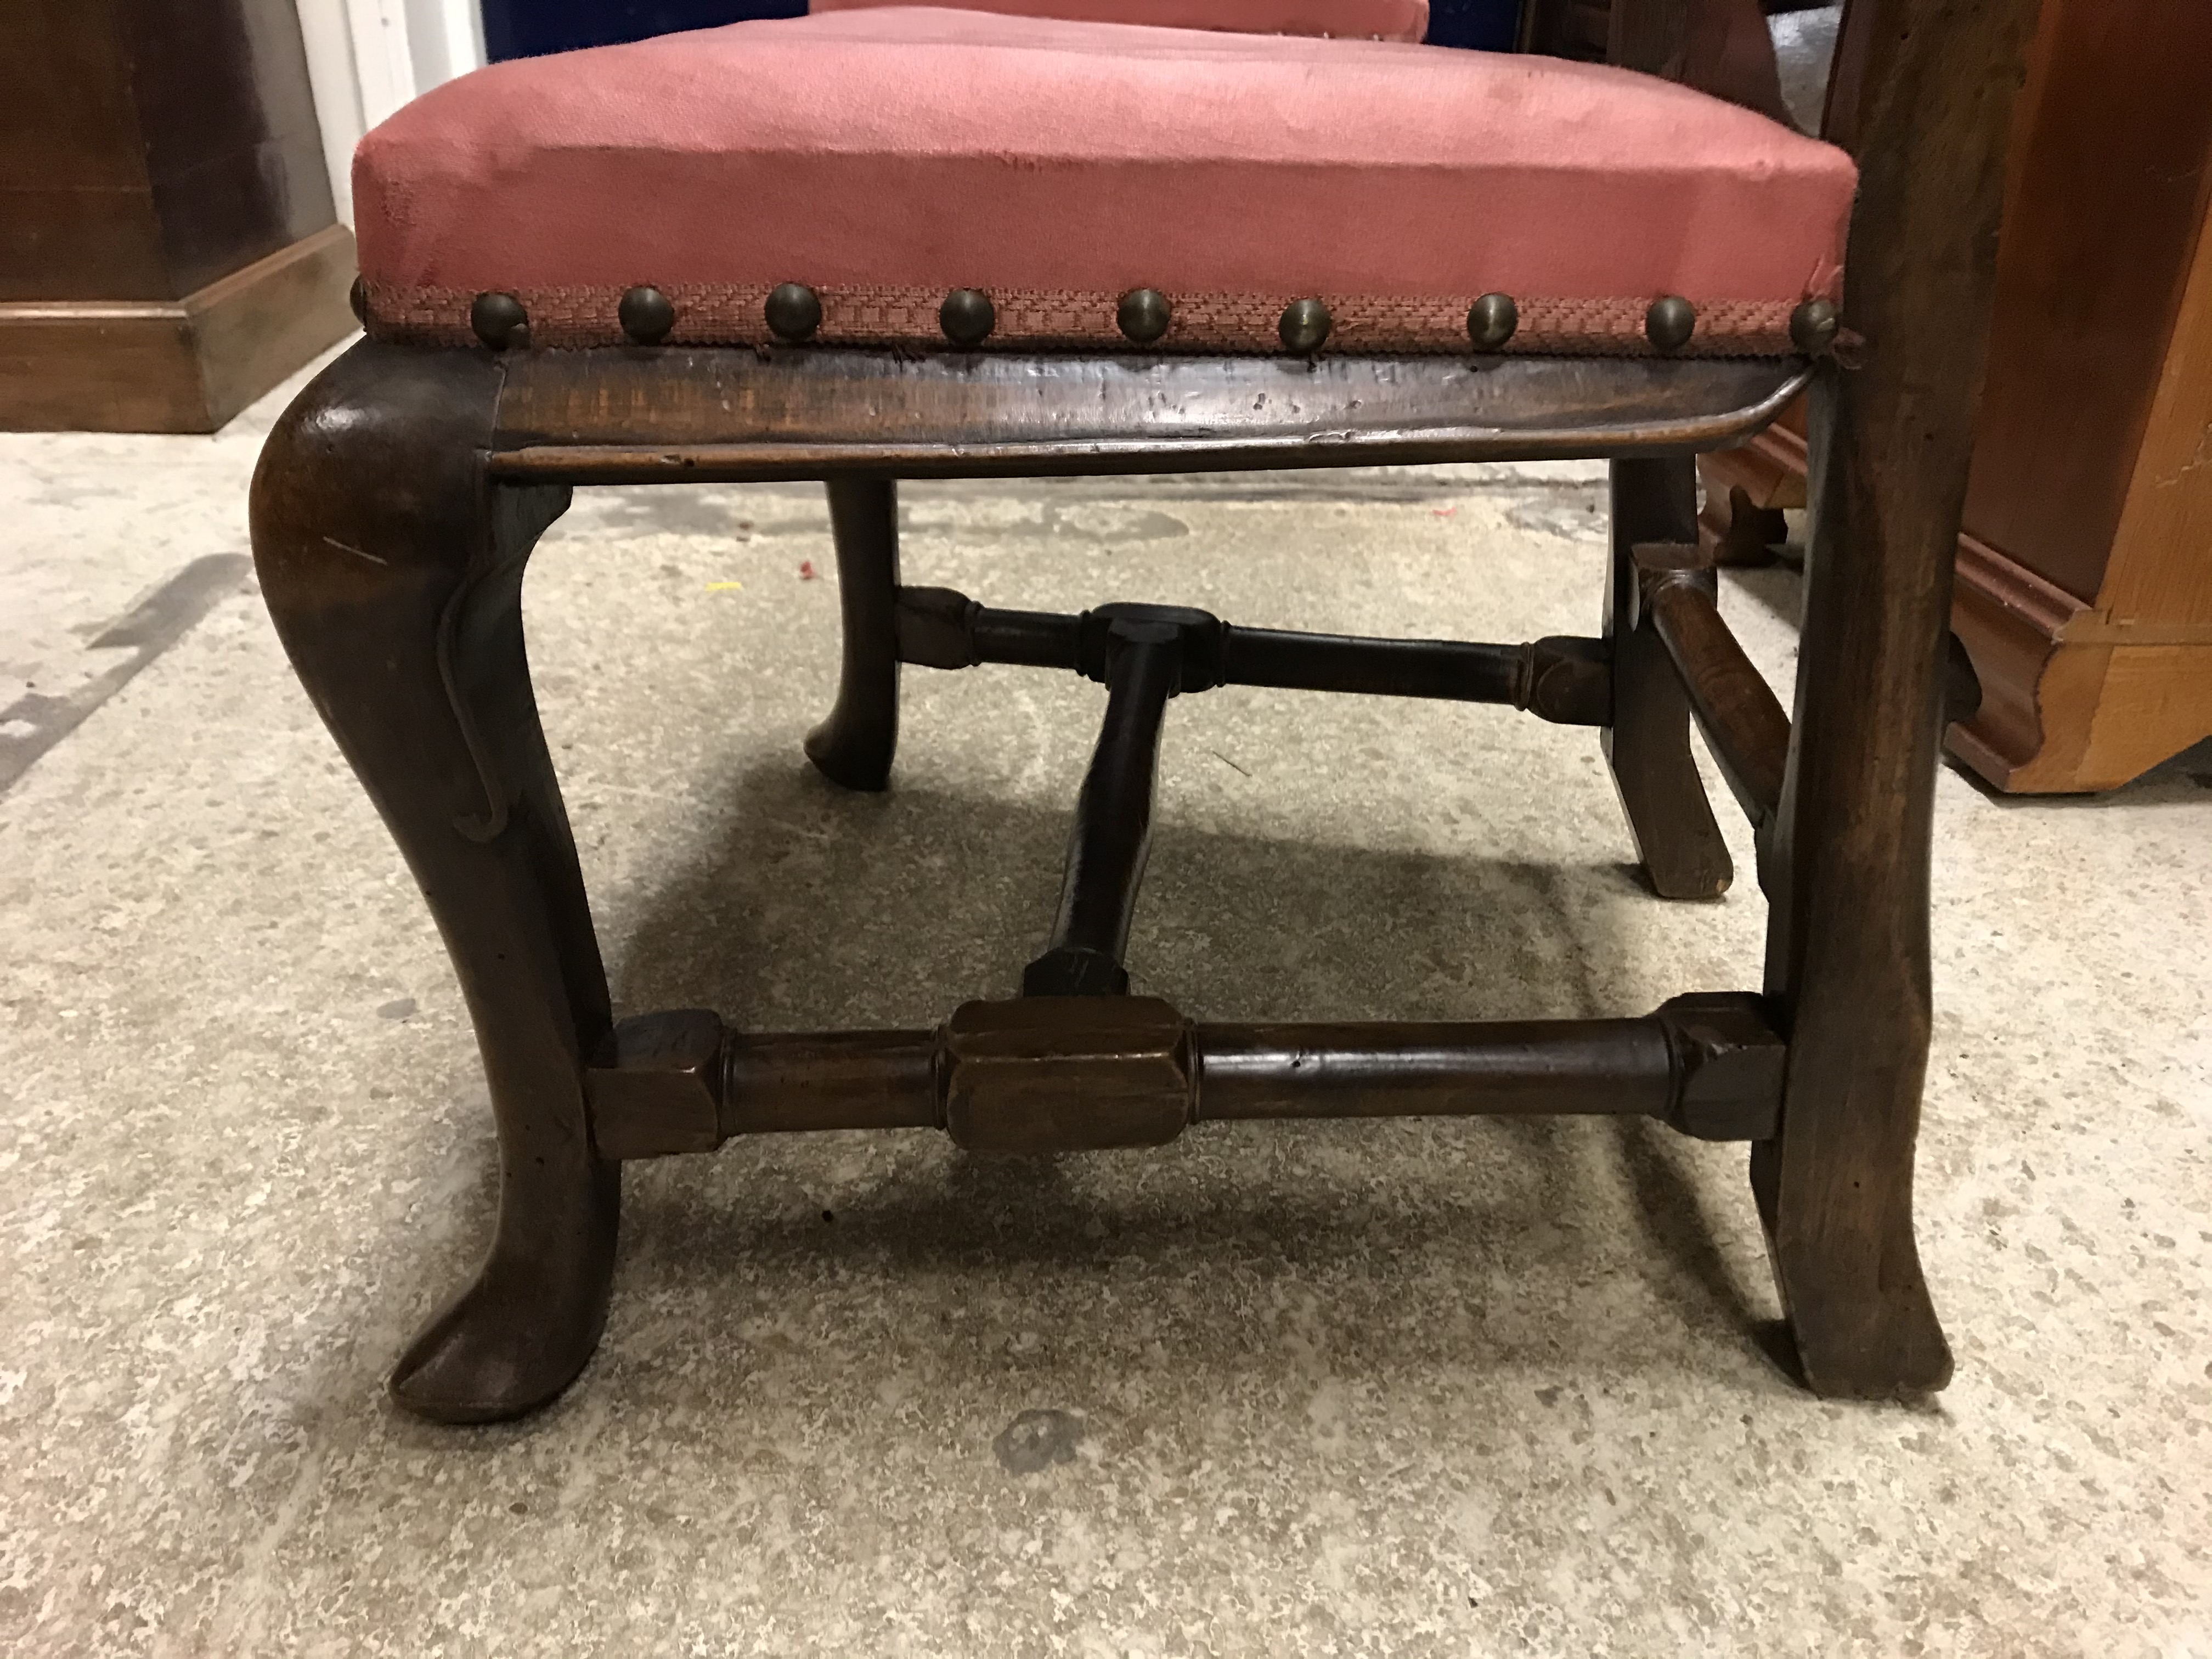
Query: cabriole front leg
[392, 568]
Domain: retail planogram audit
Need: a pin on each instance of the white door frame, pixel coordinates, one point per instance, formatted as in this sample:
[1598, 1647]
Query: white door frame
[367, 58]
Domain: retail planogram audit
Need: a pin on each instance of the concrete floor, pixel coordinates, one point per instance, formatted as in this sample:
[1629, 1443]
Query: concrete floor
[1489, 1388]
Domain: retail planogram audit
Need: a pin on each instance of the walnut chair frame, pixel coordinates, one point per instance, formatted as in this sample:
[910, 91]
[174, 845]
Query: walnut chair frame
[397, 501]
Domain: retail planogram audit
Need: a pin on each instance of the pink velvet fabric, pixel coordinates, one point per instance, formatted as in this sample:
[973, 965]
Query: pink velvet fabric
[1370, 20]
[930, 148]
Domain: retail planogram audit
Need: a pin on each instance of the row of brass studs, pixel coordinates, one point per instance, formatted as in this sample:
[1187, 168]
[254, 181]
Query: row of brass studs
[793, 312]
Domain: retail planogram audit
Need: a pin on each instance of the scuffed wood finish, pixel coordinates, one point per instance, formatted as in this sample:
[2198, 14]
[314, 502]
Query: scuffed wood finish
[620, 416]
[394, 570]
[1848, 953]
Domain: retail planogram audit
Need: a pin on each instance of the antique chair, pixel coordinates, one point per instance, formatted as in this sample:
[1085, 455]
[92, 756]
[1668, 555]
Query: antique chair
[870, 244]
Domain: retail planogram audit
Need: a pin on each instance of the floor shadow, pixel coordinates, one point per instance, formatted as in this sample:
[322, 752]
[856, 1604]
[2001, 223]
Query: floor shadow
[812, 908]
[1778, 588]
[811, 904]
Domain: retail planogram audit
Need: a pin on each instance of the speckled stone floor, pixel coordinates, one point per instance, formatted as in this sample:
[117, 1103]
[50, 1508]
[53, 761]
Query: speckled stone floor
[1464, 1389]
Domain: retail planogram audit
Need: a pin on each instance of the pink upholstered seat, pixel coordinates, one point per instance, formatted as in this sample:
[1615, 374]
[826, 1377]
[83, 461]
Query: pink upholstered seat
[884, 156]
[1371, 19]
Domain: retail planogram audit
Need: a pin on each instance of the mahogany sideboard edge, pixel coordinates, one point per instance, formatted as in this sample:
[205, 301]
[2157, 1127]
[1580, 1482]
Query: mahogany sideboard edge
[2084, 590]
[169, 249]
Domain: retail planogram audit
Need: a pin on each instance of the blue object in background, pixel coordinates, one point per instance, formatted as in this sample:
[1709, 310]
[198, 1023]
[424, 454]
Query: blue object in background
[1484, 24]
[526, 28]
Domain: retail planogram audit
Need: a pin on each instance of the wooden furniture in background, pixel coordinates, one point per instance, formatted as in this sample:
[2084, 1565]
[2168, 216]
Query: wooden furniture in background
[2084, 565]
[167, 246]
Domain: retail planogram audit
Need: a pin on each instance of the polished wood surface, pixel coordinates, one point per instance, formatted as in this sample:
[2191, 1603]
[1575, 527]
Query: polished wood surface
[174, 366]
[167, 246]
[2107, 187]
[400, 496]
[624, 415]
[394, 577]
[150, 147]
[1085, 1073]
[1564, 678]
[854, 746]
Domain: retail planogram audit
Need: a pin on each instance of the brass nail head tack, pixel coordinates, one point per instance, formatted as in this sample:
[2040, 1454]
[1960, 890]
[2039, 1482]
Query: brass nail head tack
[1813, 326]
[1670, 323]
[1305, 326]
[1490, 321]
[646, 314]
[1144, 315]
[499, 321]
[967, 317]
[793, 312]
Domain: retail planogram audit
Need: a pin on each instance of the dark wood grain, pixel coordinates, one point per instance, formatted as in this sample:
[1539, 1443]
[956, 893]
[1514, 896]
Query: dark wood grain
[174, 366]
[1057, 1074]
[152, 147]
[1847, 951]
[1564, 678]
[623, 416]
[2109, 192]
[1111, 837]
[829, 1080]
[854, 746]
[394, 570]
[1717, 46]
[1647, 740]
[1066, 1074]
[1743, 719]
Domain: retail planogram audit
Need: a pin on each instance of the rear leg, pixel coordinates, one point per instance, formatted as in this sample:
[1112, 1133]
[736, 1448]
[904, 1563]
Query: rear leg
[1648, 744]
[854, 747]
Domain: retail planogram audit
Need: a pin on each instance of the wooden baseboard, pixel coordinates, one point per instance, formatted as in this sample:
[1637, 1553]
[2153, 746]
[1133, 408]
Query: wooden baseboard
[182, 365]
[2065, 709]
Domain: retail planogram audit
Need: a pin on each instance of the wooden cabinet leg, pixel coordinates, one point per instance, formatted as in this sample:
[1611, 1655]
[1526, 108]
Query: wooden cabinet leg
[854, 747]
[392, 568]
[1648, 742]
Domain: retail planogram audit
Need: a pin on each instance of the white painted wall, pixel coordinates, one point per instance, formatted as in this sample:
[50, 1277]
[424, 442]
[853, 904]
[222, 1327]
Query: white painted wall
[367, 58]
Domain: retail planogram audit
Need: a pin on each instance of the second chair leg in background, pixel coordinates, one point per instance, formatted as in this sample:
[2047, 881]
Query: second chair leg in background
[1648, 742]
[854, 747]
